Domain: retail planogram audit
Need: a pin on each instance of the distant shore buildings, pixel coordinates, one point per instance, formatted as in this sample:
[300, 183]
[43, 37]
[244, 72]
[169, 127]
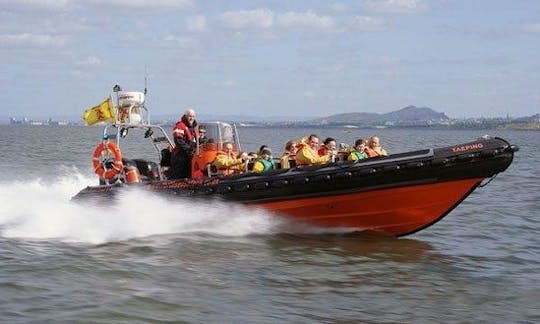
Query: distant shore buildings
[26, 121]
[408, 117]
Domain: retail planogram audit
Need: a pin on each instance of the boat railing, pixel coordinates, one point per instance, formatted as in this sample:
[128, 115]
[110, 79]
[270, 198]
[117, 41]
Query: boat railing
[122, 130]
[156, 134]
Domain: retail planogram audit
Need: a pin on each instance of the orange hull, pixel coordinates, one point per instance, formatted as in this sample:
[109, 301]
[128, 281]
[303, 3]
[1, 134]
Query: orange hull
[394, 212]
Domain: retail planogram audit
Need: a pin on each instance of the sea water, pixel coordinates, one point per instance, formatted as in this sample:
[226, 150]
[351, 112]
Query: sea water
[148, 259]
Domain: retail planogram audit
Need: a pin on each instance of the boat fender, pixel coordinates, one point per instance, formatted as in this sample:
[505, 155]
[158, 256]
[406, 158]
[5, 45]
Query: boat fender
[132, 174]
[100, 168]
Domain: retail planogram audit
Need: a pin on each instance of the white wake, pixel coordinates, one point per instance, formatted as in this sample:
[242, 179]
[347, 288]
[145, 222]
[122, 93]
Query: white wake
[39, 210]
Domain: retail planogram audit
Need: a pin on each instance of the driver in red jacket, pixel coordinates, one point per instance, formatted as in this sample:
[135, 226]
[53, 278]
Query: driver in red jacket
[184, 141]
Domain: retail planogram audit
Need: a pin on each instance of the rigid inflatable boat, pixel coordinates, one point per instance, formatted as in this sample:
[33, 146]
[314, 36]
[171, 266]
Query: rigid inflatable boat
[394, 195]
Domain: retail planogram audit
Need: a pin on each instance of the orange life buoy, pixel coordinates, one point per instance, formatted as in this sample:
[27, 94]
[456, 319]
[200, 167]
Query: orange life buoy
[99, 166]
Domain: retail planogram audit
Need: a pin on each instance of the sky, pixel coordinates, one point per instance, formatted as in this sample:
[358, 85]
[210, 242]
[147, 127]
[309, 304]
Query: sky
[286, 58]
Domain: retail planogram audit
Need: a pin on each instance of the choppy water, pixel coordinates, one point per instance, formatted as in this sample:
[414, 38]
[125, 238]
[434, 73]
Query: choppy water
[150, 260]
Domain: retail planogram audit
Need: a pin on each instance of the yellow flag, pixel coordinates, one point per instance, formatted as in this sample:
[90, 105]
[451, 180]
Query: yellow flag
[100, 113]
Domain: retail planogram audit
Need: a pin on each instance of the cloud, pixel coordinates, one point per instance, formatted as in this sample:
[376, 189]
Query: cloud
[305, 20]
[145, 4]
[52, 5]
[395, 6]
[258, 18]
[33, 40]
[482, 32]
[365, 23]
[89, 61]
[55, 5]
[532, 28]
[178, 41]
[196, 23]
[267, 20]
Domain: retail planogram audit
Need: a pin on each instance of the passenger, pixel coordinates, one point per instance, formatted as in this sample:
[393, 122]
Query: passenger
[229, 162]
[287, 160]
[202, 134]
[261, 149]
[374, 147]
[308, 154]
[328, 147]
[264, 162]
[358, 151]
[184, 141]
[252, 156]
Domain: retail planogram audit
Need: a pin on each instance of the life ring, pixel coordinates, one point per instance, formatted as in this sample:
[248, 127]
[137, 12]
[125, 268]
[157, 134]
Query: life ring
[99, 167]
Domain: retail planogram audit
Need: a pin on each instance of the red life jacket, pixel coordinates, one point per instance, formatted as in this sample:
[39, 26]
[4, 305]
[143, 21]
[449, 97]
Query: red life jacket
[322, 150]
[182, 131]
[370, 152]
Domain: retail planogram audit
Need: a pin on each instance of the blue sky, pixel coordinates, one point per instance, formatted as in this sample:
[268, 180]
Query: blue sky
[272, 58]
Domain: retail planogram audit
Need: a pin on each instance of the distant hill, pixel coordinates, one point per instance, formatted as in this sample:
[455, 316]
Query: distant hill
[347, 118]
[407, 115]
[412, 113]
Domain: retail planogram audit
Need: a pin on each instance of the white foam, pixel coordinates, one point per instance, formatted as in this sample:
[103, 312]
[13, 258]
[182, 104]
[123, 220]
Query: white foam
[38, 210]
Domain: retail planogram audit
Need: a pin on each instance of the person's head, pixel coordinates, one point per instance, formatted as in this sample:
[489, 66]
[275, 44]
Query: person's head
[189, 117]
[202, 131]
[330, 143]
[266, 154]
[291, 146]
[262, 148]
[360, 144]
[313, 141]
[228, 147]
[374, 141]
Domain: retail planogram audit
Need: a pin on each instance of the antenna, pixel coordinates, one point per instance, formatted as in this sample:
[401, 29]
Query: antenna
[145, 79]
[146, 91]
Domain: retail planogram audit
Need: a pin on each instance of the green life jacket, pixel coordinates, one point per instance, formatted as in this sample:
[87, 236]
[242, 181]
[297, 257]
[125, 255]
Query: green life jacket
[268, 164]
[359, 155]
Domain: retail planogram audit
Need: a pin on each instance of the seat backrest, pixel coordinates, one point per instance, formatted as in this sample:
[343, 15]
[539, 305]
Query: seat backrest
[165, 158]
[211, 170]
[292, 163]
